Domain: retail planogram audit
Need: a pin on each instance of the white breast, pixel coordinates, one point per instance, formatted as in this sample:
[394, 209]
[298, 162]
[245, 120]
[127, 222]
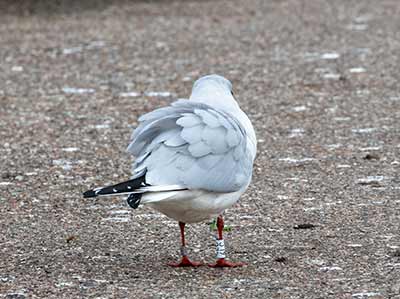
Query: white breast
[190, 206]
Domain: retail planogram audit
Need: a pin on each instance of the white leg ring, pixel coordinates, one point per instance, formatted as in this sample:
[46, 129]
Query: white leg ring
[220, 249]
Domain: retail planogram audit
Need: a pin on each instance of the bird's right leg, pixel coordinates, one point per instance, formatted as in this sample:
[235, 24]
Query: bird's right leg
[221, 261]
[185, 262]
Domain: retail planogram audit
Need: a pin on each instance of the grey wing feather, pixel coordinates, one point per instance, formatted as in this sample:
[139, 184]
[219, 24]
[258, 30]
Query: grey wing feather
[192, 145]
[232, 138]
[192, 135]
[189, 120]
[176, 139]
[199, 149]
[209, 119]
[216, 139]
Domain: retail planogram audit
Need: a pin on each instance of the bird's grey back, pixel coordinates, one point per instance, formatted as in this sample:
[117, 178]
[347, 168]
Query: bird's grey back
[194, 145]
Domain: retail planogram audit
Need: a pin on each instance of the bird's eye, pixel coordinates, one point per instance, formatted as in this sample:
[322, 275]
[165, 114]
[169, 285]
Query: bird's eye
[232, 93]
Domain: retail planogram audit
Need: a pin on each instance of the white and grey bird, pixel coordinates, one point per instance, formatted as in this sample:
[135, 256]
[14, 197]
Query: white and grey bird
[194, 159]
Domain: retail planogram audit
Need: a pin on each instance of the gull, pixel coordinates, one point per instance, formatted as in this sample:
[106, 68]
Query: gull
[193, 159]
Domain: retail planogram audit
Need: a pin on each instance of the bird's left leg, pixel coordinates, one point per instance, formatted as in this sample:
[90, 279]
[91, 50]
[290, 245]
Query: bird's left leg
[221, 261]
[185, 262]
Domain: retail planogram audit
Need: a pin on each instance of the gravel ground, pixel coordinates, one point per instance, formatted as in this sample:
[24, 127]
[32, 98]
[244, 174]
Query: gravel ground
[319, 79]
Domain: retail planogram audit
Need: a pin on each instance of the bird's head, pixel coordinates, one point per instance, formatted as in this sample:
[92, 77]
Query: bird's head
[215, 91]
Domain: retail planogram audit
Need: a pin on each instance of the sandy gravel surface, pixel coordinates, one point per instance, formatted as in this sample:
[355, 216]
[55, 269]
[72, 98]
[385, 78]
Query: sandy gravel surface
[320, 81]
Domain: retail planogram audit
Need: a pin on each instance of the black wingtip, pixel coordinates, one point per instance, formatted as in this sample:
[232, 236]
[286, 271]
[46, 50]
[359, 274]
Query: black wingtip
[89, 193]
[134, 200]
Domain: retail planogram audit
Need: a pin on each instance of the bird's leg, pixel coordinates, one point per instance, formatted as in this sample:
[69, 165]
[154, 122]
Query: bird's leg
[185, 262]
[221, 261]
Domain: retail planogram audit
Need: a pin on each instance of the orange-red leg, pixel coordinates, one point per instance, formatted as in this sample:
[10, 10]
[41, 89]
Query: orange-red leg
[185, 262]
[221, 261]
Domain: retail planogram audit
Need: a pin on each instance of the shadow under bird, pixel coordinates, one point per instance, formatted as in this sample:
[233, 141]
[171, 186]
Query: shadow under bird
[194, 159]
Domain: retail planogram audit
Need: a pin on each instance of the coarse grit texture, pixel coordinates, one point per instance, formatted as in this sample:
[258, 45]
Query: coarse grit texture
[320, 82]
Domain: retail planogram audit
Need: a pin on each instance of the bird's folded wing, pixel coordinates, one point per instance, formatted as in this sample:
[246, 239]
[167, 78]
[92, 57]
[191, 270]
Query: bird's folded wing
[192, 145]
